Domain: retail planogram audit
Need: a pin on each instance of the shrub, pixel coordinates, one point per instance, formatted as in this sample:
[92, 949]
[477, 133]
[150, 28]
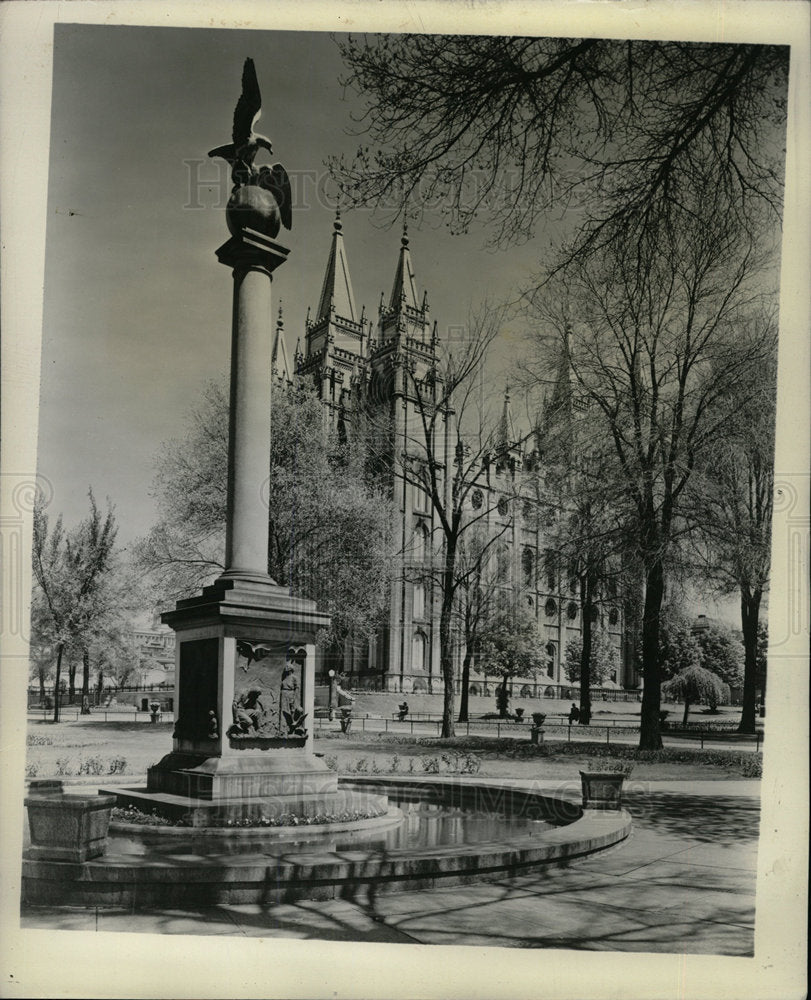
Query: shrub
[118, 765]
[752, 765]
[63, 766]
[93, 765]
[362, 765]
[35, 740]
[32, 769]
[331, 761]
[470, 764]
[430, 765]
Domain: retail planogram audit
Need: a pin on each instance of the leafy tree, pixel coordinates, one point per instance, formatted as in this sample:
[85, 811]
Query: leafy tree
[510, 645]
[511, 128]
[604, 657]
[70, 570]
[695, 685]
[329, 525]
[721, 652]
[678, 646]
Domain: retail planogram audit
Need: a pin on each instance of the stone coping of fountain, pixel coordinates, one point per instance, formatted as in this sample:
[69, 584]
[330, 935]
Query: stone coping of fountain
[194, 880]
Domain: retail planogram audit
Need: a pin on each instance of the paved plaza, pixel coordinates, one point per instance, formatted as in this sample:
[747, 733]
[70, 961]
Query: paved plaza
[684, 881]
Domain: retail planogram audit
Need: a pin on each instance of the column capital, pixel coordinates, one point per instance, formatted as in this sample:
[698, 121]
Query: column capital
[251, 250]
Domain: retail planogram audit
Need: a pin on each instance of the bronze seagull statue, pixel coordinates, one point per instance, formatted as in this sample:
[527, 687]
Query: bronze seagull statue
[246, 144]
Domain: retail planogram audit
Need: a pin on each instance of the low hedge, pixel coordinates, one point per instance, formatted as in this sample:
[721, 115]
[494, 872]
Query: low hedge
[750, 763]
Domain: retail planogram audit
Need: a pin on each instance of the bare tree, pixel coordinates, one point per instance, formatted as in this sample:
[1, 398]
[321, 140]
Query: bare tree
[511, 128]
[482, 575]
[731, 512]
[654, 322]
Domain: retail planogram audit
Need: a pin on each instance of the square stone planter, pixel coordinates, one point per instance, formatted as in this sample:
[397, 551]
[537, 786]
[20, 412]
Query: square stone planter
[602, 789]
[68, 827]
[536, 734]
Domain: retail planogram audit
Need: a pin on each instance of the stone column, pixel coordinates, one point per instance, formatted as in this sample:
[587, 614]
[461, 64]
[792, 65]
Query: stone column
[253, 258]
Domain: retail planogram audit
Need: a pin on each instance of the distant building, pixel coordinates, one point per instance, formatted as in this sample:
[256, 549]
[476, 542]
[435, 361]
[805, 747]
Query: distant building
[155, 649]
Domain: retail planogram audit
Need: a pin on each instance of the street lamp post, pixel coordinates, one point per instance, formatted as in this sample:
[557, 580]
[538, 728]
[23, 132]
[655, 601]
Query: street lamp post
[331, 701]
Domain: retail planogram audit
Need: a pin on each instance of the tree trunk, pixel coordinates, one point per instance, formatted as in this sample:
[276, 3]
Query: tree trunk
[85, 682]
[585, 652]
[650, 737]
[60, 649]
[99, 686]
[71, 679]
[750, 612]
[463, 695]
[446, 643]
[505, 698]
[686, 712]
[41, 678]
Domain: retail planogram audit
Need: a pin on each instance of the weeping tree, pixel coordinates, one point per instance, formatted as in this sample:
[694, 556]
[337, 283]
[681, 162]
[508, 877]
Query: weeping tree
[695, 685]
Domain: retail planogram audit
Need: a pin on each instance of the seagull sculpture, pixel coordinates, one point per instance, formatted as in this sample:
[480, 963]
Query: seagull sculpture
[246, 144]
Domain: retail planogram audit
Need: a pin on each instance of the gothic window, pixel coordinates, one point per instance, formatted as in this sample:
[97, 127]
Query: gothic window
[550, 564]
[527, 509]
[594, 614]
[530, 602]
[528, 565]
[503, 506]
[571, 610]
[419, 600]
[477, 499]
[613, 616]
[550, 608]
[551, 653]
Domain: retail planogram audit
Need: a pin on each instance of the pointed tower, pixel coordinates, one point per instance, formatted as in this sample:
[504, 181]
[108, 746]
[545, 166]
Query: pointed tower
[558, 409]
[280, 366]
[334, 337]
[405, 314]
[507, 451]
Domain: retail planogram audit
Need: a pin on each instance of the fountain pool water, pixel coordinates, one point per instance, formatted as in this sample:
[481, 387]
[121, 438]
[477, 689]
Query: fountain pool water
[434, 832]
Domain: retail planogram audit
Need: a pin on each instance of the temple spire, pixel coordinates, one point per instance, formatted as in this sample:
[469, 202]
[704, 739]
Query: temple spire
[506, 430]
[279, 362]
[404, 290]
[336, 292]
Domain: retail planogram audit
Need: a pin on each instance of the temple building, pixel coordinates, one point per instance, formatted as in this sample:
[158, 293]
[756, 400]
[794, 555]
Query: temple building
[354, 361]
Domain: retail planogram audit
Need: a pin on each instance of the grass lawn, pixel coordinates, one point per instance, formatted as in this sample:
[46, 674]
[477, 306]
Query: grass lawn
[95, 748]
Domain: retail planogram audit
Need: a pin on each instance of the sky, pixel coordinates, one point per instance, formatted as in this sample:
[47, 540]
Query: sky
[137, 311]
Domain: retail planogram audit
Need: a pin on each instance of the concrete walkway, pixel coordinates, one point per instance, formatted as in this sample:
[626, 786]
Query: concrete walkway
[684, 881]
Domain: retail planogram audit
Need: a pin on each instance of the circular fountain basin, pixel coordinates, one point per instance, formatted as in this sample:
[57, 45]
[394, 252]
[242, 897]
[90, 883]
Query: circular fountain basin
[434, 832]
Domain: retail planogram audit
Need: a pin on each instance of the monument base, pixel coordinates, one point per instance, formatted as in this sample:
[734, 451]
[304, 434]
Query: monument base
[242, 744]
